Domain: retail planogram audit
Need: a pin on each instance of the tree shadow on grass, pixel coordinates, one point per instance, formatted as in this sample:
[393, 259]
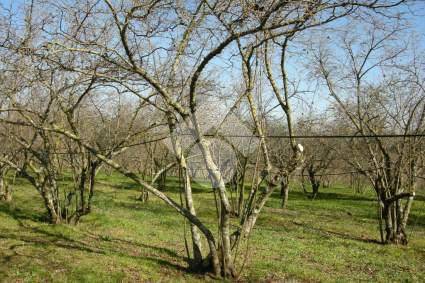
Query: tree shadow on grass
[323, 196]
[120, 185]
[154, 208]
[172, 186]
[196, 188]
[38, 237]
[337, 196]
[420, 198]
[416, 220]
[18, 213]
[329, 233]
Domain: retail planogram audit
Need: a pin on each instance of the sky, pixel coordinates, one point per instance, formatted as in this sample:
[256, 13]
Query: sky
[416, 18]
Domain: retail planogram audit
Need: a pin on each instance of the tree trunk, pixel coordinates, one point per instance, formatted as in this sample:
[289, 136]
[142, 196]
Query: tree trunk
[51, 204]
[196, 237]
[5, 189]
[314, 181]
[401, 229]
[240, 197]
[92, 182]
[161, 181]
[253, 210]
[82, 188]
[388, 219]
[395, 219]
[315, 187]
[303, 183]
[284, 191]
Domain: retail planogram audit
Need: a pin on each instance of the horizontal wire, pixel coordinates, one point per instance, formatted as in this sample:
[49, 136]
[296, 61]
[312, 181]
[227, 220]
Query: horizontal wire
[318, 136]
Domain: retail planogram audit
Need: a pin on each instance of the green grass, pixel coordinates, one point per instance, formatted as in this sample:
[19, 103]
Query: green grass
[330, 239]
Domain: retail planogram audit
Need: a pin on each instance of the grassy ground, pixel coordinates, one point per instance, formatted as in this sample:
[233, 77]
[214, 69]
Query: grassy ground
[329, 239]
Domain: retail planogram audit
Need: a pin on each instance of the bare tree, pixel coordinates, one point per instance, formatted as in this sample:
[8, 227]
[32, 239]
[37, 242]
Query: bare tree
[375, 107]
